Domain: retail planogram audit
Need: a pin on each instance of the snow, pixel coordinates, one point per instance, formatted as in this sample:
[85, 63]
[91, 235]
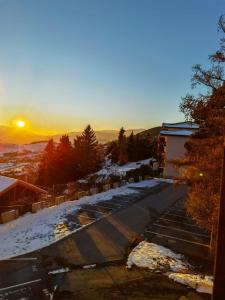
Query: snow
[202, 284]
[89, 266]
[158, 258]
[6, 182]
[59, 271]
[187, 125]
[167, 180]
[34, 231]
[176, 132]
[155, 257]
[6, 166]
[34, 148]
[114, 169]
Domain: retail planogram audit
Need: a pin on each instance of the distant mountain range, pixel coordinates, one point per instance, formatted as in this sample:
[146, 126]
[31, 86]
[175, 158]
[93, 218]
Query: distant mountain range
[11, 135]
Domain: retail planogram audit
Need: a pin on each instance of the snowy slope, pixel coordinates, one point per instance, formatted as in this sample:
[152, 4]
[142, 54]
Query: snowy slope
[110, 168]
[34, 231]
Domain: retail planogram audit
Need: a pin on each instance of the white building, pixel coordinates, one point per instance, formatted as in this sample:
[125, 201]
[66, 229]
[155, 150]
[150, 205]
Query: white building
[172, 139]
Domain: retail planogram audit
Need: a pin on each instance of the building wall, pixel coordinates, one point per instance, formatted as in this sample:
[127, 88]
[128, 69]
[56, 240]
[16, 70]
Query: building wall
[18, 195]
[174, 149]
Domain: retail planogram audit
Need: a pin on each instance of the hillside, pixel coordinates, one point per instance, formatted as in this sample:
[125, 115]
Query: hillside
[12, 135]
[152, 132]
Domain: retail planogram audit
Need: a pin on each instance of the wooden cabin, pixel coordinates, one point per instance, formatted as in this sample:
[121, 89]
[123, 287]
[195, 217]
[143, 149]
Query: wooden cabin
[15, 191]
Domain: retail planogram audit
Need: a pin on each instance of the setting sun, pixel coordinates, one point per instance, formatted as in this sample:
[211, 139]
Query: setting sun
[20, 123]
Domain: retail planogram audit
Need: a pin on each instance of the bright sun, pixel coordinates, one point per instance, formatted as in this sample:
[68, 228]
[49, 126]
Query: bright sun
[20, 123]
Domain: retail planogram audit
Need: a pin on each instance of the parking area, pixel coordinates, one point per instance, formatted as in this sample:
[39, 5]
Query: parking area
[88, 213]
[23, 278]
[176, 230]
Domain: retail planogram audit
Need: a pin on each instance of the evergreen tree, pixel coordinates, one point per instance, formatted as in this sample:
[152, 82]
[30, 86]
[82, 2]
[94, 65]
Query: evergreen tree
[131, 147]
[86, 153]
[91, 150]
[122, 147]
[64, 156]
[47, 170]
[78, 157]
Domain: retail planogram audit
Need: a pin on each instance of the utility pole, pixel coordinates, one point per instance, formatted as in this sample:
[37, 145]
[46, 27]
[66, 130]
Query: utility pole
[219, 271]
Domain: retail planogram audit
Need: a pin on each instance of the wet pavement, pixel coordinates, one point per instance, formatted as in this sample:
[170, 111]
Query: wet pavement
[23, 279]
[176, 230]
[112, 227]
[89, 213]
[27, 277]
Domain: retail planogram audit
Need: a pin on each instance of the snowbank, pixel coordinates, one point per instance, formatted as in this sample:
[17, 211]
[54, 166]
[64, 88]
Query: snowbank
[202, 284]
[156, 257]
[34, 231]
[159, 258]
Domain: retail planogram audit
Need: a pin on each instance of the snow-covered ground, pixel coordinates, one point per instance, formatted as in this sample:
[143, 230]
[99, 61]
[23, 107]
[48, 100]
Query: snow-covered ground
[161, 259]
[6, 166]
[34, 231]
[110, 168]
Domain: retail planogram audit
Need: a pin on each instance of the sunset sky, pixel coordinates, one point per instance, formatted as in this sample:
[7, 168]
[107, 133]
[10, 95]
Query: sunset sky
[67, 63]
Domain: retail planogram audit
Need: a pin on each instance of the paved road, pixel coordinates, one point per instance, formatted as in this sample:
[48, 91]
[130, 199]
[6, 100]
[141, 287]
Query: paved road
[109, 238]
[22, 279]
[104, 241]
[177, 231]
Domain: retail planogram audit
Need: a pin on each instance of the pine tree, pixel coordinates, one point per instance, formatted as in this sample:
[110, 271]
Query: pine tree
[46, 172]
[87, 152]
[64, 160]
[78, 157]
[122, 147]
[131, 147]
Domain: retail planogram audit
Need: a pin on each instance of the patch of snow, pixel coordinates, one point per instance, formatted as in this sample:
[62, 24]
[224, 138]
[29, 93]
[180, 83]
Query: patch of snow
[89, 266]
[34, 231]
[114, 169]
[82, 181]
[59, 271]
[202, 284]
[34, 148]
[6, 166]
[6, 182]
[158, 258]
[168, 180]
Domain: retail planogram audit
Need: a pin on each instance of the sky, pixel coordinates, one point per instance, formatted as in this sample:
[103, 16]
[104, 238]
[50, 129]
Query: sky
[67, 63]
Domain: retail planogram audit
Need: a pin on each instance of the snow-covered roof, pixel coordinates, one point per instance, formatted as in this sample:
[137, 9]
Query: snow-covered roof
[176, 132]
[6, 183]
[183, 125]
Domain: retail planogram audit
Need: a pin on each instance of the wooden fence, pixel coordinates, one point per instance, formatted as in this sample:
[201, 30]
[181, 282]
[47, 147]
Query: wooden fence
[49, 200]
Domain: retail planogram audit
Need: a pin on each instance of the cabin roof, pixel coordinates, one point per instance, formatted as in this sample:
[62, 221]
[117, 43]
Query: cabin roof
[181, 125]
[7, 183]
